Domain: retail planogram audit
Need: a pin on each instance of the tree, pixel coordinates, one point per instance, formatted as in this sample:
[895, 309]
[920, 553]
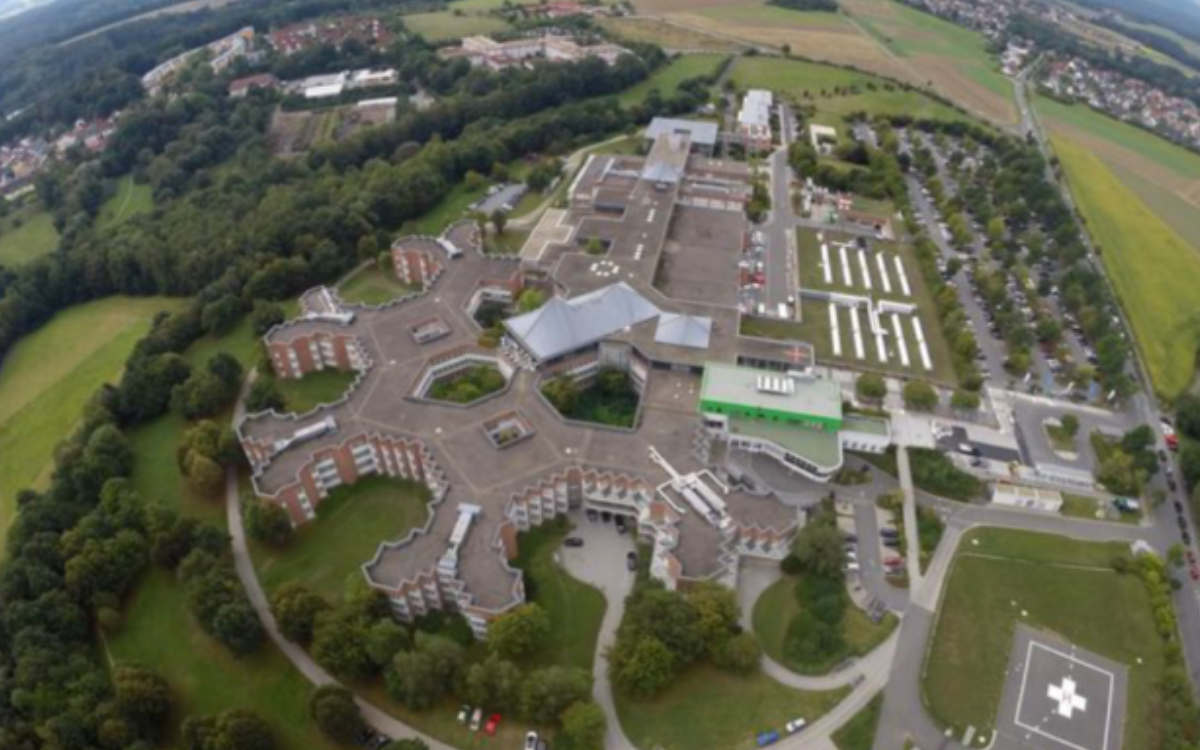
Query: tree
[1189, 464]
[265, 316]
[546, 693]
[268, 522]
[494, 682]
[1070, 425]
[717, 616]
[584, 726]
[264, 396]
[333, 709]
[741, 653]
[142, 696]
[1119, 473]
[1187, 415]
[236, 625]
[820, 549]
[296, 608]
[407, 744]
[499, 220]
[965, 401]
[339, 644]
[920, 396]
[530, 300]
[642, 667]
[519, 632]
[236, 729]
[870, 387]
[563, 393]
[385, 639]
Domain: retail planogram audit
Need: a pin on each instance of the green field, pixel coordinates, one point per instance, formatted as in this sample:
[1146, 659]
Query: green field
[1155, 272]
[576, 609]
[711, 709]
[444, 25]
[777, 606]
[1145, 144]
[837, 92]
[667, 78]
[328, 553]
[1049, 582]
[130, 200]
[47, 378]
[25, 234]
[159, 633]
[371, 286]
[859, 732]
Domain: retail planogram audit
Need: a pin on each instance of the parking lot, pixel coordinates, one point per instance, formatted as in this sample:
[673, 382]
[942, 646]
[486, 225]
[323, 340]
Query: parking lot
[1038, 298]
[500, 198]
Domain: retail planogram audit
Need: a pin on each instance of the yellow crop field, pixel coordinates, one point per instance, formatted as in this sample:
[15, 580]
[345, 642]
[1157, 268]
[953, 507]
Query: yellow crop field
[1155, 272]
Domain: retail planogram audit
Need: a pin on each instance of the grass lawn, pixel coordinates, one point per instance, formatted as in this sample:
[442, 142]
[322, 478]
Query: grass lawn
[48, 377]
[371, 286]
[156, 474]
[314, 389]
[777, 606]
[130, 200]
[576, 609]
[327, 553]
[1093, 508]
[836, 92]
[241, 343]
[159, 633]
[859, 732]
[711, 709]
[1155, 272]
[1060, 439]
[452, 208]
[445, 25]
[1002, 577]
[34, 237]
[667, 78]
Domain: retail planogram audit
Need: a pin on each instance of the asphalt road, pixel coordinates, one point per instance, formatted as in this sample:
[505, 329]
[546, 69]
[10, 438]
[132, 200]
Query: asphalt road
[780, 258]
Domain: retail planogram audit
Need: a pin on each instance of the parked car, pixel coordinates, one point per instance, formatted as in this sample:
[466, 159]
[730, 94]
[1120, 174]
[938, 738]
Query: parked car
[767, 738]
[492, 725]
[572, 541]
[531, 741]
[464, 714]
[969, 449]
[476, 719]
[365, 736]
[850, 538]
[891, 542]
[631, 561]
[592, 515]
[887, 532]
[795, 725]
[852, 567]
[1195, 570]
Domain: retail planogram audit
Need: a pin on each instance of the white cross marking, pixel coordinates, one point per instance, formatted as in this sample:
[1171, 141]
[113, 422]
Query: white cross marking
[1068, 700]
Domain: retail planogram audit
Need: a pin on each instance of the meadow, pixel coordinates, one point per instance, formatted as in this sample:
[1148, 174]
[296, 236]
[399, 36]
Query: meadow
[26, 234]
[667, 79]
[1155, 272]
[129, 200]
[47, 378]
[441, 26]
[838, 92]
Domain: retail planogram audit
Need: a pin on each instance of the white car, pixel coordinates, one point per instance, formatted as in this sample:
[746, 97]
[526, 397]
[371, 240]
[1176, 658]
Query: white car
[464, 714]
[476, 719]
[795, 725]
[852, 567]
[531, 741]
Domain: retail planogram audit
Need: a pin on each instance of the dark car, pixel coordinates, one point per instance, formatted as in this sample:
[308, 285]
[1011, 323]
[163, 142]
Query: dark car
[852, 538]
[572, 541]
[631, 561]
[889, 533]
[1179, 507]
[1162, 455]
[621, 524]
[1172, 485]
[365, 737]
[381, 741]
[592, 515]
[891, 542]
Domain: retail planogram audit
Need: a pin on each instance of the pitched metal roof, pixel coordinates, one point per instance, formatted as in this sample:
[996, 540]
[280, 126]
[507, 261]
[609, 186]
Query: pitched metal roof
[701, 132]
[692, 331]
[562, 326]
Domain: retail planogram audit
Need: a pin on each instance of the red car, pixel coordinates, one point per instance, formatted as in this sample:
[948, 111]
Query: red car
[1195, 572]
[1191, 556]
[493, 724]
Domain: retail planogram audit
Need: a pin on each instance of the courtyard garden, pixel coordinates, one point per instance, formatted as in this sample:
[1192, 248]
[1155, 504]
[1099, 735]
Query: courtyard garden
[610, 399]
[467, 385]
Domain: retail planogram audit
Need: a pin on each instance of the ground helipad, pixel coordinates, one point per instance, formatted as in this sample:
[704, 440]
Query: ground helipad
[1060, 697]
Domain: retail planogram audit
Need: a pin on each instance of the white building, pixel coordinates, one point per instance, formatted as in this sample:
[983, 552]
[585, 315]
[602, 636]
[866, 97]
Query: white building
[754, 119]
